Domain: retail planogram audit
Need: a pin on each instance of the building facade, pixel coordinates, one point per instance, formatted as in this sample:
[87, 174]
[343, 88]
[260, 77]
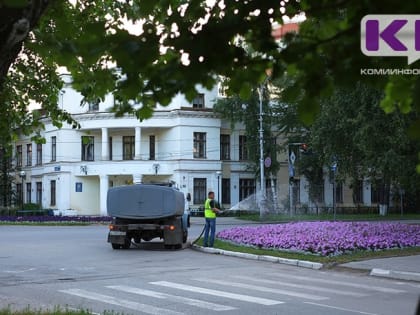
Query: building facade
[185, 143]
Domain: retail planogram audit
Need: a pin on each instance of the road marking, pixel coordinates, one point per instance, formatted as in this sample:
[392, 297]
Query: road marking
[149, 309]
[234, 296]
[265, 289]
[19, 271]
[175, 298]
[340, 308]
[342, 283]
[302, 286]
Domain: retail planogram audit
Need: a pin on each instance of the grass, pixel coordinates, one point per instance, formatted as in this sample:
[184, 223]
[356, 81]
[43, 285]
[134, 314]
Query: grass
[329, 261]
[55, 311]
[52, 223]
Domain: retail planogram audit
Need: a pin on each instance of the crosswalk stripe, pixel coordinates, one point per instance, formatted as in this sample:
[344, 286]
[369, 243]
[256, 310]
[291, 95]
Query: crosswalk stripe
[340, 308]
[303, 286]
[175, 298]
[265, 289]
[234, 296]
[149, 309]
[341, 283]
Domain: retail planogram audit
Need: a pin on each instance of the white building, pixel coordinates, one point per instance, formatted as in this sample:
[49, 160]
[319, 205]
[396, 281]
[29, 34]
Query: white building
[182, 143]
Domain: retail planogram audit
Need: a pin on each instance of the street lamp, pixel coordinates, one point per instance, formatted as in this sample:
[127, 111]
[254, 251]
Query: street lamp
[218, 173]
[22, 175]
[291, 163]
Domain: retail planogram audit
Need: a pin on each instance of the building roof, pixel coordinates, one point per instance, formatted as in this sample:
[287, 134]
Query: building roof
[283, 29]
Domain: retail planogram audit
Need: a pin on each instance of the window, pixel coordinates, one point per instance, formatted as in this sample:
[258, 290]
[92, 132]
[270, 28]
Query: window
[198, 101]
[358, 192]
[39, 154]
[339, 192]
[53, 148]
[88, 148]
[225, 147]
[39, 193]
[29, 154]
[200, 188]
[199, 145]
[128, 148]
[52, 191]
[110, 148]
[19, 194]
[375, 193]
[246, 188]
[152, 149]
[226, 190]
[28, 193]
[316, 191]
[243, 150]
[94, 105]
[19, 155]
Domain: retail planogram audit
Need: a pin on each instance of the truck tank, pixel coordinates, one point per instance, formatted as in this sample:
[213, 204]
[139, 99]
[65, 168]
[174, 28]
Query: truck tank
[143, 201]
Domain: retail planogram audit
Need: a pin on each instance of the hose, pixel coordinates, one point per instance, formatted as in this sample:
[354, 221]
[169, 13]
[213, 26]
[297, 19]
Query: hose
[196, 240]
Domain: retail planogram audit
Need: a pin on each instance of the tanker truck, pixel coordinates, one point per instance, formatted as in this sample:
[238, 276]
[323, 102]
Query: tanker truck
[143, 212]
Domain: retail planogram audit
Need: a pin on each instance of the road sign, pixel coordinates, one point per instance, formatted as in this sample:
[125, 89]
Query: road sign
[267, 162]
[292, 157]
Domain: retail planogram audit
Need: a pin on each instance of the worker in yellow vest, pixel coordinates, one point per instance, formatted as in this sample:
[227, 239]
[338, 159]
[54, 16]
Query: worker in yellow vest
[210, 211]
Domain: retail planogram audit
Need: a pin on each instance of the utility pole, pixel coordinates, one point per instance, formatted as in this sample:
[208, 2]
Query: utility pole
[261, 132]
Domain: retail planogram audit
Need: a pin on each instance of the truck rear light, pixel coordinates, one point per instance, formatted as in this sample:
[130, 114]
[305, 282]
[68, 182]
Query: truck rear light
[111, 227]
[172, 227]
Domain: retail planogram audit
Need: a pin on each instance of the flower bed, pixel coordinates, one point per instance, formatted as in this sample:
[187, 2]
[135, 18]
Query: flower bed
[325, 238]
[50, 218]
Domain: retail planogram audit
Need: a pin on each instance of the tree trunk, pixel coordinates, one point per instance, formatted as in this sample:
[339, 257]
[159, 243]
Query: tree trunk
[15, 25]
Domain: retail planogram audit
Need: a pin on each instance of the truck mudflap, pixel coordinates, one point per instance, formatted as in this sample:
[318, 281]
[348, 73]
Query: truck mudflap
[174, 234]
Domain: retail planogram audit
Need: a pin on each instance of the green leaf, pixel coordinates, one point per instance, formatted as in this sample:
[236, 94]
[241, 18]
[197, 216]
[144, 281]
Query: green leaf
[14, 3]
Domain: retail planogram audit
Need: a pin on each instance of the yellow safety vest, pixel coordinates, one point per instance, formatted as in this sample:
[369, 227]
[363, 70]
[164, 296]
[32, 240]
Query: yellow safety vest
[208, 212]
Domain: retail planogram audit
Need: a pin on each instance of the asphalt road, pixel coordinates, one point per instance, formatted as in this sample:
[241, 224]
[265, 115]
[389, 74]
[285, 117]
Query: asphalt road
[74, 266]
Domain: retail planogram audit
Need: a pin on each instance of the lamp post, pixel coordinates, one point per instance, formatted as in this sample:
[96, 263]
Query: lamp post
[334, 170]
[218, 173]
[261, 142]
[291, 164]
[22, 175]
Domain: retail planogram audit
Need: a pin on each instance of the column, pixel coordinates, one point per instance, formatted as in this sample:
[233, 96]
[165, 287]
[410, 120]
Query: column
[103, 191]
[105, 145]
[137, 141]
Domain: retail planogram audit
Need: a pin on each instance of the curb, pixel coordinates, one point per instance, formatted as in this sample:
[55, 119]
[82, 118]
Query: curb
[400, 275]
[267, 258]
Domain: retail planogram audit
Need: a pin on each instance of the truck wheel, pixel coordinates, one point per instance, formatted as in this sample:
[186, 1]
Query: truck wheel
[185, 237]
[127, 243]
[115, 246]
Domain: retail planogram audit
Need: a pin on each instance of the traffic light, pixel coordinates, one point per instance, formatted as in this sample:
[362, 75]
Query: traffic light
[303, 148]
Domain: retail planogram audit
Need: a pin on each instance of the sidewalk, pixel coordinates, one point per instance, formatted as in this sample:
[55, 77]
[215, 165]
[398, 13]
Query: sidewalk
[402, 268]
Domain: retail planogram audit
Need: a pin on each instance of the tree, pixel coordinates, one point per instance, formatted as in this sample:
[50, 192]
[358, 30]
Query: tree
[184, 43]
[246, 111]
[366, 142]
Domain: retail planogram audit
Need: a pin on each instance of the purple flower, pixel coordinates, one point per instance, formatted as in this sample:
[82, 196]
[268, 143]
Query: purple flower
[326, 238]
